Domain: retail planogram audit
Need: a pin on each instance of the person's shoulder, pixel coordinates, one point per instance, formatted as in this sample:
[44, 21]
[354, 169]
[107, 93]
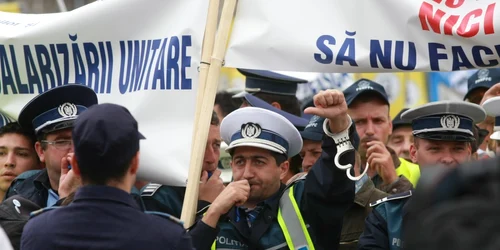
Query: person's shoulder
[392, 199]
[44, 211]
[27, 175]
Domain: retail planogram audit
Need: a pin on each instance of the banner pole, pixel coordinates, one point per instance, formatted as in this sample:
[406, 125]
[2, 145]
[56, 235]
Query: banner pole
[202, 125]
[206, 53]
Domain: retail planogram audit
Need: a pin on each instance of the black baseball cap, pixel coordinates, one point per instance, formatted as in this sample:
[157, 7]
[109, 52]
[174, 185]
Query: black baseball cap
[483, 78]
[106, 134]
[363, 86]
[398, 122]
[314, 129]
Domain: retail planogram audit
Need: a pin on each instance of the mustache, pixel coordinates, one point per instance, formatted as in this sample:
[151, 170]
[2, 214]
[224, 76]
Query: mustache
[368, 139]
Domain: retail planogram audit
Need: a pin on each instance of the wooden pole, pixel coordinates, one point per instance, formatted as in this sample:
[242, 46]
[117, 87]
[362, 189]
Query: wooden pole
[206, 54]
[208, 97]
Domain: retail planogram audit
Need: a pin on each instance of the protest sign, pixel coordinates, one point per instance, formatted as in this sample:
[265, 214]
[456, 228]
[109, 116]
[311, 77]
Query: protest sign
[143, 55]
[365, 36]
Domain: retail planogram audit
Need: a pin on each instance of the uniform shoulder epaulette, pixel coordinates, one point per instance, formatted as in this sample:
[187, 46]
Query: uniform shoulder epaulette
[43, 210]
[391, 198]
[150, 189]
[168, 216]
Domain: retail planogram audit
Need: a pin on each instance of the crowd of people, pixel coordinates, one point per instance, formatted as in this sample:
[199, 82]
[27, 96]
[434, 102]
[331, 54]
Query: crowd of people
[334, 172]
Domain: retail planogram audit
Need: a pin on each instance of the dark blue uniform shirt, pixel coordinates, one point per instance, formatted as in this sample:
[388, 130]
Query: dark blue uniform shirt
[103, 217]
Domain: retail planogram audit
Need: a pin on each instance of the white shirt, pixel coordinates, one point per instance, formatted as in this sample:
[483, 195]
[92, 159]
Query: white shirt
[4, 241]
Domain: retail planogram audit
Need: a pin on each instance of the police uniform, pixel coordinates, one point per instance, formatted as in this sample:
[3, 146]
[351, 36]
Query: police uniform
[168, 199]
[404, 171]
[443, 121]
[353, 222]
[304, 215]
[104, 216]
[48, 112]
[272, 87]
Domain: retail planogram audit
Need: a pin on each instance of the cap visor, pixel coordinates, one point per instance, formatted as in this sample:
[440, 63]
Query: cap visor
[495, 135]
[240, 95]
[440, 136]
[141, 136]
[311, 136]
[255, 145]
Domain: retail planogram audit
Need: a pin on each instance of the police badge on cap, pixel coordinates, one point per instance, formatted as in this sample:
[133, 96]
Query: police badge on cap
[57, 108]
[445, 120]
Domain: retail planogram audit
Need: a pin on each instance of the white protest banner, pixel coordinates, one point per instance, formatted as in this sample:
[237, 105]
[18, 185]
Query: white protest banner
[365, 35]
[143, 55]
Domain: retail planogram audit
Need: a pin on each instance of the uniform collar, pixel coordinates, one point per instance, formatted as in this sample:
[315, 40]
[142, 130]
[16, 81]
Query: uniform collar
[363, 197]
[42, 180]
[105, 193]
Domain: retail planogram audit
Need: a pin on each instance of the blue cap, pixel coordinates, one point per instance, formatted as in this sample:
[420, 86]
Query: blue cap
[260, 128]
[398, 122]
[5, 119]
[445, 120]
[362, 86]
[106, 134]
[268, 82]
[56, 108]
[483, 78]
[299, 122]
[309, 102]
[314, 130]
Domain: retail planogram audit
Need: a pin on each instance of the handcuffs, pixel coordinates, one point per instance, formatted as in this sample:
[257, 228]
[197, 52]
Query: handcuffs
[344, 145]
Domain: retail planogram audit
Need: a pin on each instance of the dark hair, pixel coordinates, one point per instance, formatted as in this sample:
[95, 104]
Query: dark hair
[288, 103]
[101, 175]
[15, 128]
[226, 102]
[295, 164]
[215, 119]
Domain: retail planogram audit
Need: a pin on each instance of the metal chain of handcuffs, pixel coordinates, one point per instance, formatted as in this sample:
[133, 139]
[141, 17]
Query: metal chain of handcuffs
[344, 145]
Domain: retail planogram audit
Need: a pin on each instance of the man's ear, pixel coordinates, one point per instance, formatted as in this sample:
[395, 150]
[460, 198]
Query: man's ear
[276, 105]
[39, 151]
[134, 165]
[284, 169]
[413, 153]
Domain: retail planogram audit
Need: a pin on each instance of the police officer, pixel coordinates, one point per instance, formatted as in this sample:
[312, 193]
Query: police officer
[51, 115]
[103, 214]
[299, 123]
[477, 85]
[261, 212]
[443, 135]
[274, 88]
[369, 108]
[169, 199]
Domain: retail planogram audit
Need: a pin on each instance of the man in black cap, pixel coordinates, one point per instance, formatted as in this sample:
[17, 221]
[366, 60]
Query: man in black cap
[51, 115]
[103, 214]
[443, 134]
[276, 89]
[14, 214]
[369, 108]
[401, 137]
[477, 85]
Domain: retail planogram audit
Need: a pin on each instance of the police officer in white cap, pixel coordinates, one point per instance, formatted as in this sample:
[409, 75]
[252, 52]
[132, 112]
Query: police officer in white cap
[257, 211]
[443, 134]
